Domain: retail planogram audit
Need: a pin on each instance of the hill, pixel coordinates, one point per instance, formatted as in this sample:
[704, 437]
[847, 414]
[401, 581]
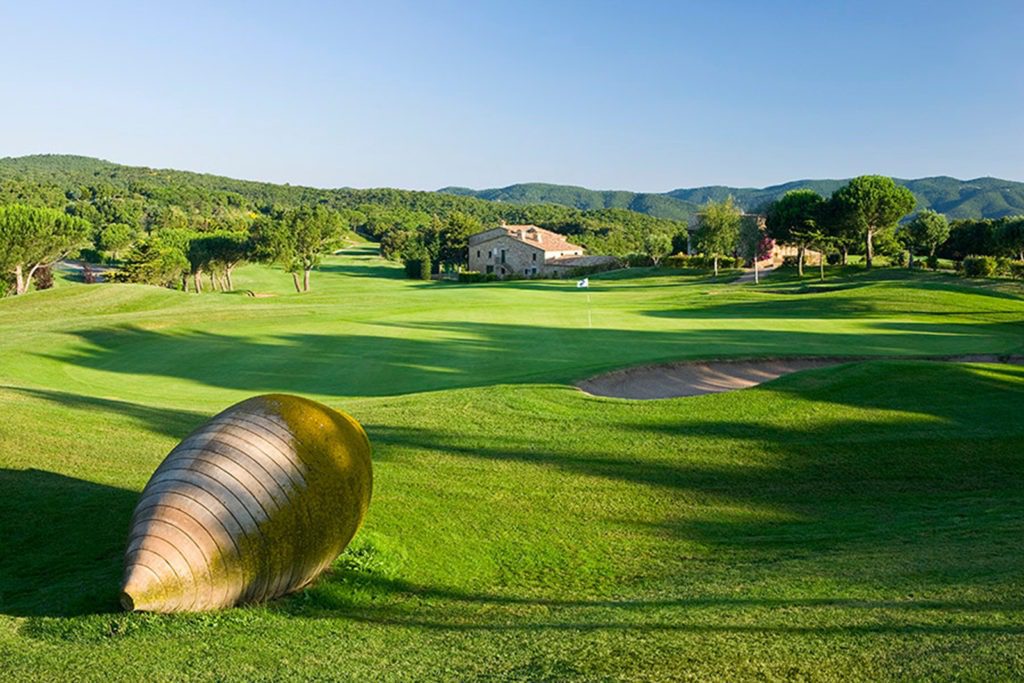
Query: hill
[105, 192]
[978, 198]
[660, 205]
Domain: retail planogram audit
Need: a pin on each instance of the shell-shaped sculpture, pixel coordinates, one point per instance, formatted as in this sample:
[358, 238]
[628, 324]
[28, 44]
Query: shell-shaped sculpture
[252, 505]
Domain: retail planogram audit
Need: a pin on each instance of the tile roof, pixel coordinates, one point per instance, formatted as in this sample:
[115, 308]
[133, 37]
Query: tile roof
[546, 239]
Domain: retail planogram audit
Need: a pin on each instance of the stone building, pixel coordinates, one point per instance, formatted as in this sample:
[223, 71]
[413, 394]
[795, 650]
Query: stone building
[527, 251]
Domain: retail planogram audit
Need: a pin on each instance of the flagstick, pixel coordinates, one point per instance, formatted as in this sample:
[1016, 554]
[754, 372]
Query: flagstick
[590, 317]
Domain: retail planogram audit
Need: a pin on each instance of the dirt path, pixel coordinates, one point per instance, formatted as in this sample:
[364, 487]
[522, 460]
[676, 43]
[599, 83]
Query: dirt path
[748, 275]
[695, 378]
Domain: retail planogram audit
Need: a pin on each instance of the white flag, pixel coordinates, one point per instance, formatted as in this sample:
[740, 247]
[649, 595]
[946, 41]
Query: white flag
[585, 282]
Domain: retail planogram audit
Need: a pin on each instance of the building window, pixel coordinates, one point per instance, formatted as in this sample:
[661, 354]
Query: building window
[502, 255]
[478, 253]
[490, 269]
[534, 256]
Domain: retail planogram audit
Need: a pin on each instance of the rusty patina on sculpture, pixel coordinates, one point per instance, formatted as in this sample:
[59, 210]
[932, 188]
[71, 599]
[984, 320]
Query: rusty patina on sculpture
[252, 505]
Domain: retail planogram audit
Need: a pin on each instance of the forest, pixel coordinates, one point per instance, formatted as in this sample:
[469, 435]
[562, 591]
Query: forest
[189, 231]
[173, 227]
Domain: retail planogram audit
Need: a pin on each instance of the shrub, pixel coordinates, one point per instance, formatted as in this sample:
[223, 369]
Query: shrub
[474, 276]
[702, 262]
[678, 261]
[899, 259]
[933, 262]
[637, 260]
[1003, 265]
[1016, 270]
[790, 261]
[418, 268]
[43, 278]
[979, 266]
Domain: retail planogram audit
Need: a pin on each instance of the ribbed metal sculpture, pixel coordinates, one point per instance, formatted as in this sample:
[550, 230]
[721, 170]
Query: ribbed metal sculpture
[252, 505]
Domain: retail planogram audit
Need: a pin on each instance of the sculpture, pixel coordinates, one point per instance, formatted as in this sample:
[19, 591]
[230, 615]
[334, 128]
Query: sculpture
[252, 505]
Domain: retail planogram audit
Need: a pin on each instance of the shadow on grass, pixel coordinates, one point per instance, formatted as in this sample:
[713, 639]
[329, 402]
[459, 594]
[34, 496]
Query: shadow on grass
[933, 485]
[167, 421]
[432, 356]
[398, 603]
[63, 541]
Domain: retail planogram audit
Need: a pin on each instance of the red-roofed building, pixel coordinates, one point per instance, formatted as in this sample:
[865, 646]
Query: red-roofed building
[525, 251]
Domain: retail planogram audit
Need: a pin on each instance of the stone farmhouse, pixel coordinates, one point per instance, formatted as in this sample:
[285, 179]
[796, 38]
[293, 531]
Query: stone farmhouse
[527, 251]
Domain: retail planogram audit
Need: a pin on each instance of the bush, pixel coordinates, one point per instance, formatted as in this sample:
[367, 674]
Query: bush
[980, 266]
[790, 261]
[417, 268]
[900, 259]
[933, 262]
[702, 262]
[1016, 270]
[474, 276]
[679, 261]
[43, 278]
[635, 260]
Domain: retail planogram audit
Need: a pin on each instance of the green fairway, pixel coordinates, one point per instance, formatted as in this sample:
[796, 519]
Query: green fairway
[857, 522]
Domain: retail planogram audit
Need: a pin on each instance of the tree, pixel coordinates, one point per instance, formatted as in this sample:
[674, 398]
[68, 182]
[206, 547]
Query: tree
[32, 238]
[656, 245]
[199, 258]
[792, 218]
[876, 203]
[298, 239]
[454, 238]
[115, 238]
[823, 243]
[970, 237]
[718, 229]
[925, 233]
[754, 243]
[840, 223]
[153, 263]
[224, 251]
[1010, 235]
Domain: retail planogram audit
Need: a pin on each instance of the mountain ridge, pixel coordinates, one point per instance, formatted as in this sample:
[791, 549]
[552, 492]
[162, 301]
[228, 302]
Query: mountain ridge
[982, 197]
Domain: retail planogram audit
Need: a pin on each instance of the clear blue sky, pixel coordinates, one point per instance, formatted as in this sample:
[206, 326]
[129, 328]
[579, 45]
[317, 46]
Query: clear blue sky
[626, 95]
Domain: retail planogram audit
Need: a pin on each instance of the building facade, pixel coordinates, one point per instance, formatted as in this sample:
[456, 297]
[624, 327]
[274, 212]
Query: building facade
[525, 251]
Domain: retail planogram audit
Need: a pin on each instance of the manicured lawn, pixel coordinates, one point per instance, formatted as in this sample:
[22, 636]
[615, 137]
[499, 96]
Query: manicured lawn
[857, 522]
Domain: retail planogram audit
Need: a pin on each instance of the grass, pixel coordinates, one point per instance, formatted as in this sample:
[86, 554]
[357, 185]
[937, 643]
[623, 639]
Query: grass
[856, 522]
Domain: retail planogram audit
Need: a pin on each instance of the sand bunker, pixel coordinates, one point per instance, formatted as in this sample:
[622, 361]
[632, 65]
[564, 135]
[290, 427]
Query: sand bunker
[695, 378]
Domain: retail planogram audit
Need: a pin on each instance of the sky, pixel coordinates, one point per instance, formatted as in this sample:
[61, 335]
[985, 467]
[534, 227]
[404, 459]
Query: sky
[646, 96]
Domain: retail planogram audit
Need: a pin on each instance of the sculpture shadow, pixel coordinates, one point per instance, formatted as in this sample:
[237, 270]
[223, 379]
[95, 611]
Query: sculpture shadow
[63, 540]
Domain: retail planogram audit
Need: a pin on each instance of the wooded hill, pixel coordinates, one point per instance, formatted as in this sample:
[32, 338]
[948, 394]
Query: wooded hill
[978, 198]
[151, 199]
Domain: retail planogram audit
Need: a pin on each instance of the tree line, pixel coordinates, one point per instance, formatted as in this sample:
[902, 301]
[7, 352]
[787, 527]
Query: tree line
[189, 231]
[866, 216]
